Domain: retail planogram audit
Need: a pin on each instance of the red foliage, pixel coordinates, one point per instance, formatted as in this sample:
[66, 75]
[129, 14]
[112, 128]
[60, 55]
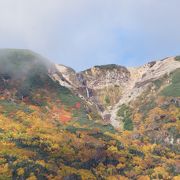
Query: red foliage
[78, 105]
[173, 120]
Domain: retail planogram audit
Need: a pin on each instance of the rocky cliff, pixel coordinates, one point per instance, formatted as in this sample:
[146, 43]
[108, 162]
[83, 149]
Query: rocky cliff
[47, 132]
[109, 86]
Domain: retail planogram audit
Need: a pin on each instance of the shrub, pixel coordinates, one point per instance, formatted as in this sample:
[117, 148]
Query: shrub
[177, 58]
[145, 108]
[108, 66]
[136, 152]
[124, 111]
[107, 100]
[103, 128]
[174, 88]
[128, 124]
[158, 83]
[23, 91]
[9, 107]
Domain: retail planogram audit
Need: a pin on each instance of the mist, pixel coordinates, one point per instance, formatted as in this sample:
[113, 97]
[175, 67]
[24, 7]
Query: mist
[20, 63]
[83, 33]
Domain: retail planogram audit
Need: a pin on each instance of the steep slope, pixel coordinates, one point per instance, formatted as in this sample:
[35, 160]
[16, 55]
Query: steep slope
[49, 128]
[105, 83]
[40, 120]
[147, 108]
[101, 86]
[109, 86]
[140, 80]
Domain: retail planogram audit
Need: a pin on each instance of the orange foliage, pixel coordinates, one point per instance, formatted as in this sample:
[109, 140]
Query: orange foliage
[61, 114]
[143, 178]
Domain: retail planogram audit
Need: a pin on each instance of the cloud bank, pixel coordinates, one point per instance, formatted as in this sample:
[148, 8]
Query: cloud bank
[83, 33]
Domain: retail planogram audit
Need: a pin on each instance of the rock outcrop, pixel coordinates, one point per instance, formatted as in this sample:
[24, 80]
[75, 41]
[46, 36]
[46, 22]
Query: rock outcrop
[109, 86]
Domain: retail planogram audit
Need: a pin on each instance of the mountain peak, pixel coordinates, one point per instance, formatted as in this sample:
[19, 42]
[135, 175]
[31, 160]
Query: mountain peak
[59, 124]
[109, 86]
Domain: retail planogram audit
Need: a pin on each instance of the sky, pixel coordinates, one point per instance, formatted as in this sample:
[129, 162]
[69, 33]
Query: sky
[84, 33]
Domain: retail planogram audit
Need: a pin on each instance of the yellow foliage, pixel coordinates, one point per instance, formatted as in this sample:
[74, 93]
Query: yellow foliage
[143, 178]
[86, 175]
[117, 178]
[137, 118]
[41, 162]
[122, 159]
[156, 111]
[55, 140]
[160, 171]
[32, 177]
[147, 148]
[137, 161]
[4, 169]
[113, 148]
[66, 170]
[176, 177]
[20, 171]
[120, 165]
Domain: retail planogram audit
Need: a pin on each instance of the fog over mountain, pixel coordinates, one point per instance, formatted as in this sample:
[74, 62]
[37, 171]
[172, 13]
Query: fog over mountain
[106, 122]
[89, 90]
[82, 34]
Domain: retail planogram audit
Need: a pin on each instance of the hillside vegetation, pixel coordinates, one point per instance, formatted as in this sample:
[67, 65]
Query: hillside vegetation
[46, 132]
[174, 88]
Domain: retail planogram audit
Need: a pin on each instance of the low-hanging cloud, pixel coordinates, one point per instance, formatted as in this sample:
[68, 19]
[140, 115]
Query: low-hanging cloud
[84, 33]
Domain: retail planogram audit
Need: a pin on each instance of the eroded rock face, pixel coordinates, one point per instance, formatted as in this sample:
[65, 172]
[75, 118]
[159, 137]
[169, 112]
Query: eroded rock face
[106, 82]
[100, 85]
[141, 79]
[101, 76]
[67, 74]
[109, 86]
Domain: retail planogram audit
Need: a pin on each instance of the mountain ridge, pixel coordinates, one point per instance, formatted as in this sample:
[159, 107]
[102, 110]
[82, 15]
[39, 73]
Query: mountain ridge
[57, 124]
[133, 81]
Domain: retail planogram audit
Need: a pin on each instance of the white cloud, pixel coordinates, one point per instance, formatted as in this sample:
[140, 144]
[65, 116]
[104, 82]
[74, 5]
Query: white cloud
[75, 31]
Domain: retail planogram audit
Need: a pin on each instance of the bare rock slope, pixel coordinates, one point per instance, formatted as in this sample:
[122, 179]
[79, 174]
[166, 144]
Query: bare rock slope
[109, 86]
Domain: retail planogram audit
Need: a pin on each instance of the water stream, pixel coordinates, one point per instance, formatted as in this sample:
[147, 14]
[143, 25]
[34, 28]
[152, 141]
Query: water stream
[87, 93]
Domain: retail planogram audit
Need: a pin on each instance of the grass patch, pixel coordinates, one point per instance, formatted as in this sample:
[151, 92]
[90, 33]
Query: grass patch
[91, 126]
[145, 108]
[9, 107]
[107, 100]
[174, 88]
[128, 124]
[67, 97]
[125, 112]
[177, 58]
[102, 136]
[158, 83]
[104, 128]
[108, 66]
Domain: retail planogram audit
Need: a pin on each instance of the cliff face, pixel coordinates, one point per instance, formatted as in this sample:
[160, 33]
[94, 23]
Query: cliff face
[107, 75]
[47, 132]
[100, 85]
[109, 86]
[105, 83]
[142, 79]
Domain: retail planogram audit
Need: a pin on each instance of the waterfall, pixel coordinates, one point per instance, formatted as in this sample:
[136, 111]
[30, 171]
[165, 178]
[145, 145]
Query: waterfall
[87, 93]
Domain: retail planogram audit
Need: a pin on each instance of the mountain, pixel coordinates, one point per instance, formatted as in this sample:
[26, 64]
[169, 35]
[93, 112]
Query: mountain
[110, 86]
[107, 122]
